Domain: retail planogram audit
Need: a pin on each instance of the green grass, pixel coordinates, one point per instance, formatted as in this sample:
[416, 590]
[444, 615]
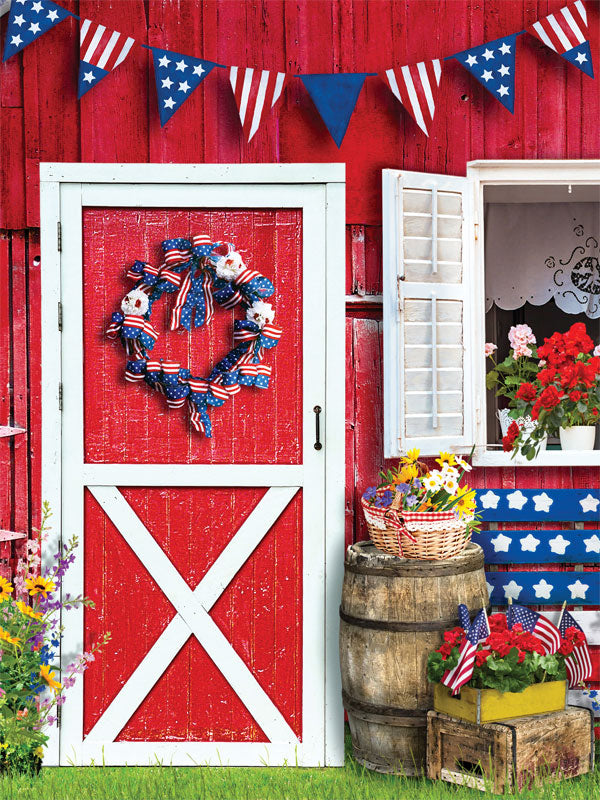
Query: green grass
[352, 782]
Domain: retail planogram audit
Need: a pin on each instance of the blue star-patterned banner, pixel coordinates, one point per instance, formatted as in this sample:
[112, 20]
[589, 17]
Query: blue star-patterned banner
[539, 505]
[28, 20]
[540, 547]
[544, 588]
[493, 64]
[177, 76]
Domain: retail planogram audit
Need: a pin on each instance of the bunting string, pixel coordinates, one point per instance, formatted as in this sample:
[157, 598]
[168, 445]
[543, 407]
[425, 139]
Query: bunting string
[258, 92]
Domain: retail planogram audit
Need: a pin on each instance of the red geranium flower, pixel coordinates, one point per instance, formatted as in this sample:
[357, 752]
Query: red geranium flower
[566, 648]
[526, 392]
[575, 396]
[511, 434]
[481, 656]
[497, 622]
[550, 397]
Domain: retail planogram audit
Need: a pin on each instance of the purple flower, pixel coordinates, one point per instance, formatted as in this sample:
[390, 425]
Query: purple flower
[411, 500]
[385, 500]
[403, 488]
[371, 493]
[417, 484]
[69, 681]
[51, 719]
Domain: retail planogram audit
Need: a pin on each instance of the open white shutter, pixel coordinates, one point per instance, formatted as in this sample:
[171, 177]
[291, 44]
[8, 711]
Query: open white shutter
[428, 313]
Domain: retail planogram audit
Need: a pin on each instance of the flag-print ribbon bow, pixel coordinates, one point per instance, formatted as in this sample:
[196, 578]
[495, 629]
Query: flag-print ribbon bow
[203, 394]
[248, 286]
[136, 332]
[251, 340]
[159, 279]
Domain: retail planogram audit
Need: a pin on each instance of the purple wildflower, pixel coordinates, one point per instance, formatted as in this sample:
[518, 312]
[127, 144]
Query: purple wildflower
[403, 488]
[371, 493]
[411, 500]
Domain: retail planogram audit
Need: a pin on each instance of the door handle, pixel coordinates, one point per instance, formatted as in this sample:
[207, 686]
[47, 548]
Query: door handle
[318, 445]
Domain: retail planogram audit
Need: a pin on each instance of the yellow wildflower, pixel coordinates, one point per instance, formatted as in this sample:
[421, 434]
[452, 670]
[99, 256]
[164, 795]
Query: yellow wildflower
[408, 473]
[39, 752]
[411, 456]
[39, 585]
[48, 676]
[6, 637]
[5, 589]
[28, 610]
[466, 504]
[446, 458]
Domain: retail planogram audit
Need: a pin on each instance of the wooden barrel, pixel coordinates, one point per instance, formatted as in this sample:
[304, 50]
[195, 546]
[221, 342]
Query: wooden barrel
[393, 614]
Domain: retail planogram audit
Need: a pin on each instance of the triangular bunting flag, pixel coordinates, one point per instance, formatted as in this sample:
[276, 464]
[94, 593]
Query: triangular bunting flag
[565, 32]
[335, 97]
[416, 86]
[255, 91]
[177, 76]
[100, 51]
[493, 64]
[28, 20]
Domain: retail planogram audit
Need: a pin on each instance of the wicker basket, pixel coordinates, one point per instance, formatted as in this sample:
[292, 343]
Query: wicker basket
[428, 535]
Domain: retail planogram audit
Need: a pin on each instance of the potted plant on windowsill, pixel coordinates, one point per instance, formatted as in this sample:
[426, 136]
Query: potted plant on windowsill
[519, 367]
[563, 397]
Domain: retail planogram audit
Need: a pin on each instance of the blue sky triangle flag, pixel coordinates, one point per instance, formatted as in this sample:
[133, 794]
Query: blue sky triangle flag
[28, 20]
[335, 97]
[177, 76]
[566, 32]
[100, 51]
[493, 64]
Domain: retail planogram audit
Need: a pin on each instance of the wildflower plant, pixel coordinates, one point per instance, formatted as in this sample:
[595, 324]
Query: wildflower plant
[30, 635]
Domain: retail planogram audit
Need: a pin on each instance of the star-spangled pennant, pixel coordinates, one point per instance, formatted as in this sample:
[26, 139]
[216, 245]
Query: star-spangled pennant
[566, 33]
[335, 97]
[100, 51]
[416, 87]
[28, 20]
[493, 64]
[255, 91]
[177, 76]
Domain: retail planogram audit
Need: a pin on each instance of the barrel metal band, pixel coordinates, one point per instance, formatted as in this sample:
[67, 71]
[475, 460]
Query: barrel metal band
[351, 704]
[421, 571]
[416, 627]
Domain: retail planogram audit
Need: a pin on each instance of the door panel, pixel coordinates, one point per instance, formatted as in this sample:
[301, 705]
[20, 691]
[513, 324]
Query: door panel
[122, 420]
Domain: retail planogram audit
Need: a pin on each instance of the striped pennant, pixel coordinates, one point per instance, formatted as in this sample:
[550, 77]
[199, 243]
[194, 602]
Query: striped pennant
[255, 92]
[416, 87]
[566, 33]
[100, 51]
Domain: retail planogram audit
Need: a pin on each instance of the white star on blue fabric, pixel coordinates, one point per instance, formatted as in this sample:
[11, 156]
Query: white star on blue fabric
[26, 23]
[487, 54]
[542, 502]
[487, 75]
[489, 499]
[498, 77]
[501, 543]
[592, 545]
[559, 544]
[513, 590]
[543, 589]
[529, 543]
[589, 503]
[88, 77]
[578, 589]
[516, 500]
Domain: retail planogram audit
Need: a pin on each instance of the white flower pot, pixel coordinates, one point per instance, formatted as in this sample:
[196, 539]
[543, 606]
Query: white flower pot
[523, 422]
[579, 437]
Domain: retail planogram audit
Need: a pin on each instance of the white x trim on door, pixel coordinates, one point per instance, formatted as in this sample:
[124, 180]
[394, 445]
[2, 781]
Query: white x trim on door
[192, 618]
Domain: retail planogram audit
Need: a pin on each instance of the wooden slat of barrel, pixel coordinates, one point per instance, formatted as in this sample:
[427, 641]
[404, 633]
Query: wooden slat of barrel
[393, 613]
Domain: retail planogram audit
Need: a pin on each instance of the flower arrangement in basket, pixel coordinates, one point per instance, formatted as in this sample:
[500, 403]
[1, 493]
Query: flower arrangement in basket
[417, 512]
[509, 653]
[552, 389]
[30, 634]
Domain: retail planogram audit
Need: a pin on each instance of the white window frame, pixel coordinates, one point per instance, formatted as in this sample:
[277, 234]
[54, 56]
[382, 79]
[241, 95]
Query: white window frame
[480, 174]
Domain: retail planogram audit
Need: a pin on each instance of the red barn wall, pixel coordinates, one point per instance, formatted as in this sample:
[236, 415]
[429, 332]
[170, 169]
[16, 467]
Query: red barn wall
[556, 116]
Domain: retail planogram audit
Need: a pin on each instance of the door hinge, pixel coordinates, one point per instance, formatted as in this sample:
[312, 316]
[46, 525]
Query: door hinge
[59, 316]
[59, 237]
[58, 716]
[60, 396]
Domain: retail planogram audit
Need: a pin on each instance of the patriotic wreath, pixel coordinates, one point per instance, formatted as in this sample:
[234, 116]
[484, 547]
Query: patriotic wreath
[200, 272]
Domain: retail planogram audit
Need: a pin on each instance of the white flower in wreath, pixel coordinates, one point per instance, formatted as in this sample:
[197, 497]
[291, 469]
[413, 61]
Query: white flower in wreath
[261, 313]
[229, 267]
[135, 303]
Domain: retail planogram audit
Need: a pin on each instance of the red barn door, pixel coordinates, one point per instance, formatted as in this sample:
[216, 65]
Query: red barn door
[205, 557]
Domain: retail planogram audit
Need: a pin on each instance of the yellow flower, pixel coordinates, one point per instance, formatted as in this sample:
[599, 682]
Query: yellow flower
[5, 589]
[6, 637]
[466, 503]
[28, 610]
[411, 456]
[48, 676]
[39, 752]
[408, 473]
[39, 586]
[446, 458]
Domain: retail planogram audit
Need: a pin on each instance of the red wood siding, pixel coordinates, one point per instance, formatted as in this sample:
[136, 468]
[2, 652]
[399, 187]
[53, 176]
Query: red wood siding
[556, 116]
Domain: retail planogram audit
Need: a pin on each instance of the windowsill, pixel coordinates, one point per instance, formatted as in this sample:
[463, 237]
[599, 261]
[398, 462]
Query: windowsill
[546, 458]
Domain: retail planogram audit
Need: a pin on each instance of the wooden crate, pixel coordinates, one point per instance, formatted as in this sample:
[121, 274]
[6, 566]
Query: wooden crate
[513, 754]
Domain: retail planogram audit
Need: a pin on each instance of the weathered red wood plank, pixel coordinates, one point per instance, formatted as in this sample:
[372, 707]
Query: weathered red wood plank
[12, 160]
[34, 419]
[350, 434]
[11, 86]
[6, 499]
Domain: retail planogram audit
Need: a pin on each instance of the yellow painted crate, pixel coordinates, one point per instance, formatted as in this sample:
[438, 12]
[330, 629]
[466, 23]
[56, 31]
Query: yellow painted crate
[490, 705]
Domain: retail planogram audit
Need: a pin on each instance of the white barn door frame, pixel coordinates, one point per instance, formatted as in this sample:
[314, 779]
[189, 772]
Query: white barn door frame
[318, 190]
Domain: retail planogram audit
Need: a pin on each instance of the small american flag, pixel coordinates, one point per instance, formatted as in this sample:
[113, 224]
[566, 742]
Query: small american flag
[579, 663]
[464, 617]
[416, 87]
[566, 33]
[100, 51]
[537, 624]
[461, 674]
[255, 92]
